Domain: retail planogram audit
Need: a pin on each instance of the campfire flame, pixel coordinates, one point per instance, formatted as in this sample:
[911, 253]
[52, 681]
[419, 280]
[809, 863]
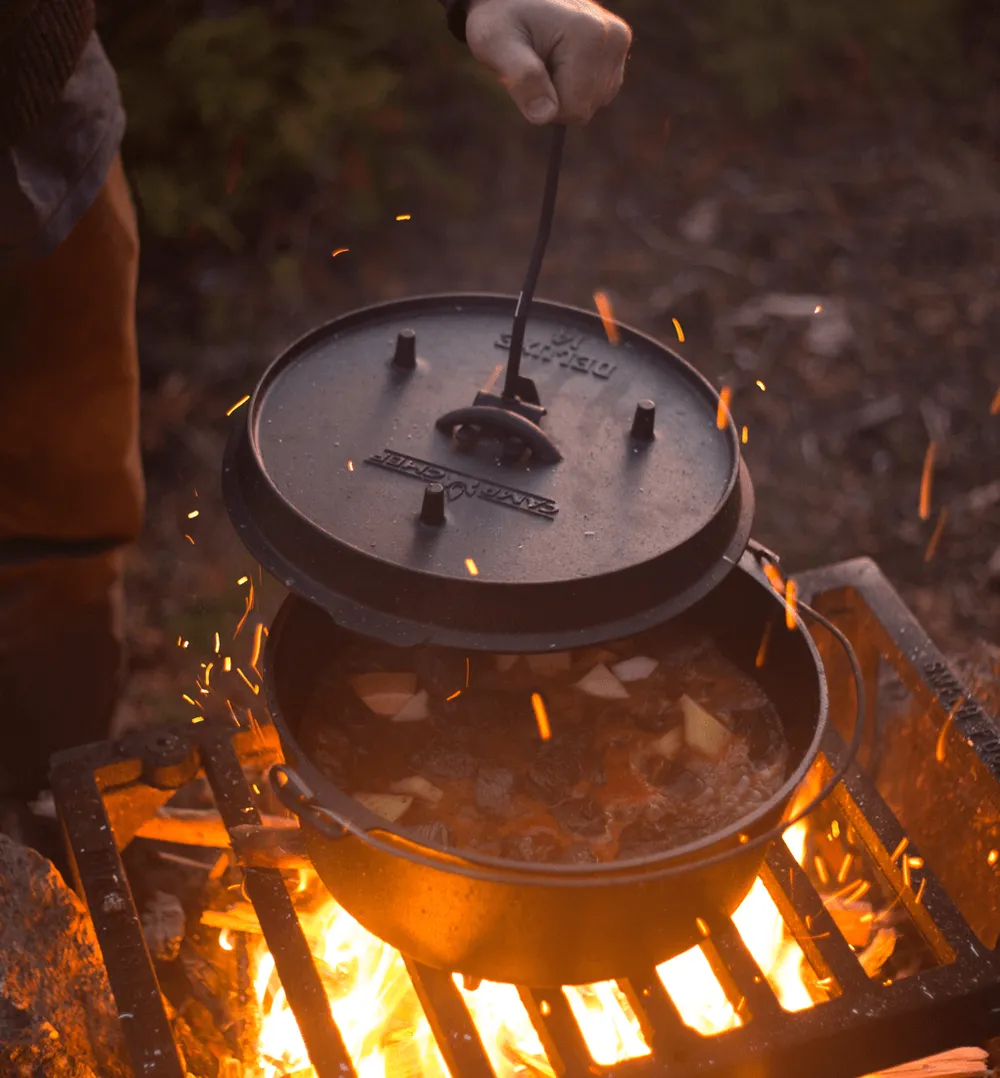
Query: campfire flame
[388, 1036]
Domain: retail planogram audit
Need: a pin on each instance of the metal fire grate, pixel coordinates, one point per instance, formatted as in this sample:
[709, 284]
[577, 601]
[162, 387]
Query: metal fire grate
[946, 805]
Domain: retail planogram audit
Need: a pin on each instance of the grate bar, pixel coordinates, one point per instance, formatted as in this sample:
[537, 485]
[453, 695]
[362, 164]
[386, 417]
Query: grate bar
[450, 1021]
[550, 1014]
[815, 931]
[935, 916]
[741, 978]
[266, 889]
[662, 1026]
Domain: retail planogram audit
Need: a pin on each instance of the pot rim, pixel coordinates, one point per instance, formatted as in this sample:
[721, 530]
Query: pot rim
[689, 857]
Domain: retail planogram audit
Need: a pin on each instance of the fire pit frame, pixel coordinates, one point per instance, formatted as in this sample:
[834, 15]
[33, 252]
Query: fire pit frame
[105, 792]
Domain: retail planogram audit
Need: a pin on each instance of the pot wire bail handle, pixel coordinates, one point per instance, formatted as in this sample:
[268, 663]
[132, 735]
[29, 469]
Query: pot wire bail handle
[293, 792]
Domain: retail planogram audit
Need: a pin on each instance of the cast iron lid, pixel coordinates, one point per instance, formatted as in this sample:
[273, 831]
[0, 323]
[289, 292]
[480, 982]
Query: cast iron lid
[359, 476]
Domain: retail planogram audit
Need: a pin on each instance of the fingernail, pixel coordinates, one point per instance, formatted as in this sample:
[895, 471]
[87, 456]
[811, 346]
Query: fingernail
[540, 110]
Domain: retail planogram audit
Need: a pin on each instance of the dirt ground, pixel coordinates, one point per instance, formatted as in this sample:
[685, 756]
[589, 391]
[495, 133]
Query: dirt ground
[887, 218]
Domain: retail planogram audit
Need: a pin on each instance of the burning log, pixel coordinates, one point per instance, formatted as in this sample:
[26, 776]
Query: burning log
[63, 1026]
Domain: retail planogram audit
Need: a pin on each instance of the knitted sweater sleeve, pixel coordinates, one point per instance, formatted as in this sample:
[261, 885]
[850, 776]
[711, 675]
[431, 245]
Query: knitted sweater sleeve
[40, 44]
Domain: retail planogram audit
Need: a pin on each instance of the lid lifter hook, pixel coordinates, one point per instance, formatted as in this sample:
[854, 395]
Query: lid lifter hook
[515, 411]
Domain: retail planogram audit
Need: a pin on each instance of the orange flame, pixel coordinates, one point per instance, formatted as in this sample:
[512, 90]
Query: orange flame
[386, 1031]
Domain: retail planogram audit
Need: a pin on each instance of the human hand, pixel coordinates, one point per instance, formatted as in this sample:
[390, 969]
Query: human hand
[560, 60]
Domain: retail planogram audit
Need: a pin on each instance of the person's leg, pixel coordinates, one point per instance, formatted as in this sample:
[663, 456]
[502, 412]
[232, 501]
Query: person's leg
[71, 488]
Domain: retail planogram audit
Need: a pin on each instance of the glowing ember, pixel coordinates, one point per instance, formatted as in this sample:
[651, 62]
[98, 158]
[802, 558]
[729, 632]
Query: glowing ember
[387, 1033]
[925, 481]
[339, 251]
[722, 413]
[541, 716]
[471, 568]
[603, 305]
[992, 857]
[678, 330]
[238, 404]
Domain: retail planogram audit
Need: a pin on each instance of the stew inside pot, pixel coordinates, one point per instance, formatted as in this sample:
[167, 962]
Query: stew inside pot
[653, 742]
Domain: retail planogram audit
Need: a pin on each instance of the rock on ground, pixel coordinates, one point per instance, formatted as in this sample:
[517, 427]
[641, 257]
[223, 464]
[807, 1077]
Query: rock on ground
[58, 1018]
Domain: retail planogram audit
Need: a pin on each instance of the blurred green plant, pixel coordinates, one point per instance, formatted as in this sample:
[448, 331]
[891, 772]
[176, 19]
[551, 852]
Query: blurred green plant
[771, 52]
[279, 104]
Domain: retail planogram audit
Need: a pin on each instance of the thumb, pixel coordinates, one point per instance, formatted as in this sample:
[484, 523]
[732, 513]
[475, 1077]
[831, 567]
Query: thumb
[522, 72]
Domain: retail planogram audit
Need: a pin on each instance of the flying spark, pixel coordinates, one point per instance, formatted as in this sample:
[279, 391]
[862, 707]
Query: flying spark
[722, 414]
[774, 577]
[817, 308]
[184, 696]
[900, 849]
[744, 435]
[678, 329]
[791, 603]
[339, 251]
[217, 643]
[242, 580]
[491, 381]
[185, 644]
[920, 891]
[761, 386]
[227, 664]
[935, 538]
[764, 641]
[189, 539]
[471, 568]
[603, 305]
[925, 481]
[468, 671]
[995, 404]
[454, 695]
[942, 736]
[238, 404]
[258, 633]
[208, 673]
[198, 718]
[992, 857]
[193, 514]
[350, 465]
[541, 716]
[402, 217]
[702, 927]
[224, 941]
[255, 689]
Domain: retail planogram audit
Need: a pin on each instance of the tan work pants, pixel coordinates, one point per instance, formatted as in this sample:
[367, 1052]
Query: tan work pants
[71, 489]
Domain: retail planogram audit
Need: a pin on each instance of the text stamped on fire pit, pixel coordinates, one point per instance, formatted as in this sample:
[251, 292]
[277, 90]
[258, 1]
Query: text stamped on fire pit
[459, 485]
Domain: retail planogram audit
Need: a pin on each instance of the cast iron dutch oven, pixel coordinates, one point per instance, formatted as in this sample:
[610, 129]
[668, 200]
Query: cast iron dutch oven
[402, 496]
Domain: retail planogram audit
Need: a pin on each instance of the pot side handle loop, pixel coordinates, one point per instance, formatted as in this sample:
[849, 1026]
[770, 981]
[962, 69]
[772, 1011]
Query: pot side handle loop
[298, 798]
